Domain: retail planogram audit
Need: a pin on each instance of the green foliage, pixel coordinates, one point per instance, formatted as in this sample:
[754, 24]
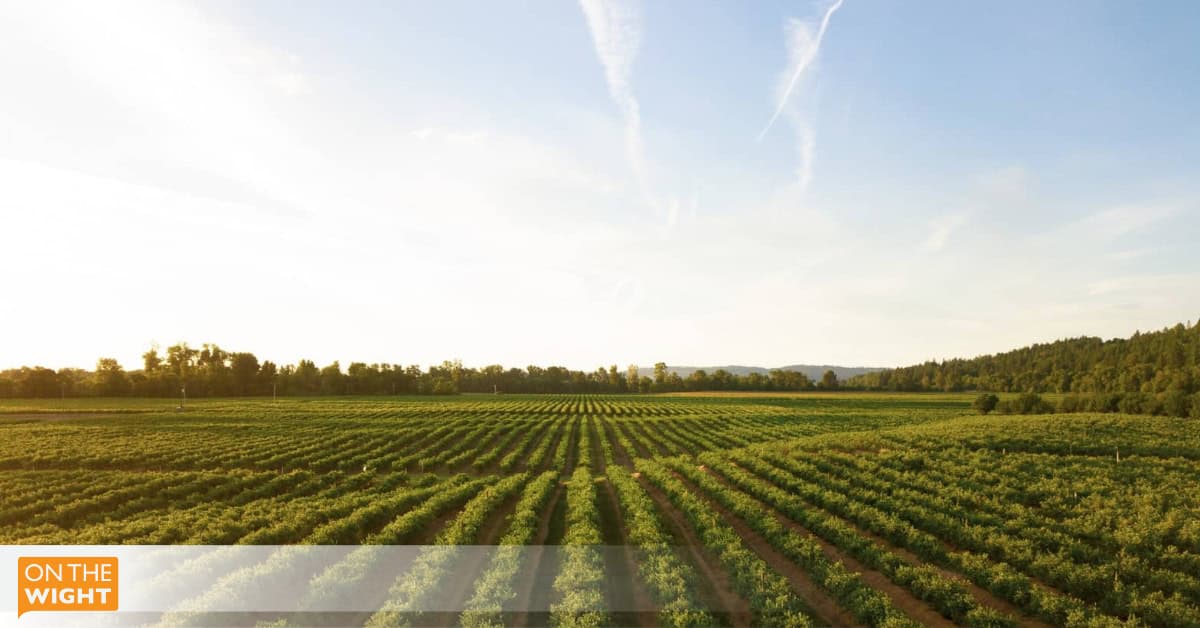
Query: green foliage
[1177, 403]
[985, 403]
[670, 580]
[1154, 363]
[408, 596]
[1083, 519]
[581, 575]
[768, 593]
[214, 372]
[494, 588]
[1025, 403]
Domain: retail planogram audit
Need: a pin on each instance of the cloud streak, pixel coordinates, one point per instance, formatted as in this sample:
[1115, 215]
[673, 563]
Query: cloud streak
[802, 49]
[617, 33]
[940, 230]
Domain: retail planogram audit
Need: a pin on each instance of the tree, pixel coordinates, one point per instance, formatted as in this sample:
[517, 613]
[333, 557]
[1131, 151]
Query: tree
[181, 360]
[111, 380]
[631, 378]
[1025, 403]
[829, 380]
[150, 360]
[660, 373]
[243, 368]
[444, 386]
[38, 381]
[985, 403]
[331, 379]
[306, 378]
[267, 377]
[615, 383]
[1176, 403]
[74, 382]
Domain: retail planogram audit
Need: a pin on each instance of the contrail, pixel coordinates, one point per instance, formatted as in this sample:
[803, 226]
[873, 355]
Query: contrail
[805, 60]
[617, 32]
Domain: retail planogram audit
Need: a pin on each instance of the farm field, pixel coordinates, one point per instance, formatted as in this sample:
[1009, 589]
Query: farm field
[809, 509]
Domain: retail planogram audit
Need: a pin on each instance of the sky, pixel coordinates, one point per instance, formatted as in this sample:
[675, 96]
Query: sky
[859, 182]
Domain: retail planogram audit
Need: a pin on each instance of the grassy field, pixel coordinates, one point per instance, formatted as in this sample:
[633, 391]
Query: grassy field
[837, 508]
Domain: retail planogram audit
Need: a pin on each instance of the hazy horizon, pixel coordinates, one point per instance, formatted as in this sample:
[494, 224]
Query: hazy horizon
[855, 183]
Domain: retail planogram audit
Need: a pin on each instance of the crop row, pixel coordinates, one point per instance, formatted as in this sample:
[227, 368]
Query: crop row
[771, 599]
[994, 576]
[579, 583]
[947, 596]
[493, 590]
[671, 581]
[1093, 583]
[414, 591]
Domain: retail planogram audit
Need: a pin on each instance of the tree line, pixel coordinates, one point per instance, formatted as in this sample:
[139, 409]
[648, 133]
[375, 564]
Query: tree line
[1153, 362]
[210, 371]
[1151, 373]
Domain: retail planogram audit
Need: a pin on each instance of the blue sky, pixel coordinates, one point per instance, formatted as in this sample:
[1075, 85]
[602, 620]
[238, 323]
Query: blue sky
[590, 183]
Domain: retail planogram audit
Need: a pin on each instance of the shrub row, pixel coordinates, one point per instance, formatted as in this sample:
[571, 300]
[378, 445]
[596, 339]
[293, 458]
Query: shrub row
[413, 591]
[494, 588]
[771, 599]
[581, 573]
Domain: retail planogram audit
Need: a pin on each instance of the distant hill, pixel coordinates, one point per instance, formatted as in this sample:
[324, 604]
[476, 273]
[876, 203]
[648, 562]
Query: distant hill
[812, 371]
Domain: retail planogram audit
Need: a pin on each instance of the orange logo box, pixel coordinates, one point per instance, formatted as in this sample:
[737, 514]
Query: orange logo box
[56, 583]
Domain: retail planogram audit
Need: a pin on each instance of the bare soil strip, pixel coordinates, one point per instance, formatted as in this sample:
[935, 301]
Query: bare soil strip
[54, 417]
[649, 440]
[462, 583]
[716, 590]
[624, 588]
[620, 456]
[558, 433]
[981, 595]
[535, 581]
[382, 576]
[820, 604]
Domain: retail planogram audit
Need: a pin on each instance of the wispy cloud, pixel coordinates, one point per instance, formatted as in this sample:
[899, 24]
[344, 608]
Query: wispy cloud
[940, 230]
[616, 28]
[1128, 255]
[803, 43]
[1119, 221]
[802, 51]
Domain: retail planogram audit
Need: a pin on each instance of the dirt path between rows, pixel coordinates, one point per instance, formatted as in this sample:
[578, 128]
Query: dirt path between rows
[599, 464]
[620, 456]
[379, 579]
[625, 593]
[54, 417]
[535, 581]
[640, 428]
[523, 459]
[627, 599]
[572, 448]
[820, 604]
[461, 584]
[568, 428]
[981, 595]
[716, 590]
[512, 443]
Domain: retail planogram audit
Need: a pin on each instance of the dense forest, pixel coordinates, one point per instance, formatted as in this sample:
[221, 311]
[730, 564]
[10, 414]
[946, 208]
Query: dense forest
[1151, 363]
[213, 372]
[1151, 373]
